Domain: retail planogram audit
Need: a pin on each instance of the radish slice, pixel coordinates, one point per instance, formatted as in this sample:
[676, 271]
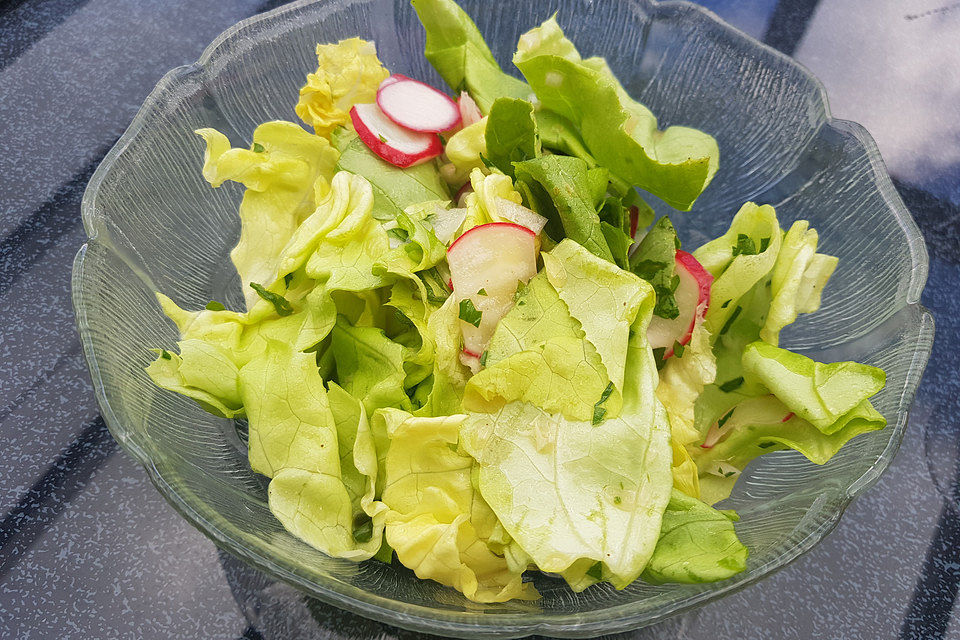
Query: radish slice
[486, 263]
[393, 143]
[519, 214]
[417, 106]
[693, 298]
[469, 111]
[463, 191]
[391, 79]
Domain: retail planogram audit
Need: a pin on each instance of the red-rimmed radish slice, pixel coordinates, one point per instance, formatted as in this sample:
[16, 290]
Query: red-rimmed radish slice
[418, 106]
[486, 263]
[519, 214]
[693, 298]
[469, 111]
[391, 79]
[393, 143]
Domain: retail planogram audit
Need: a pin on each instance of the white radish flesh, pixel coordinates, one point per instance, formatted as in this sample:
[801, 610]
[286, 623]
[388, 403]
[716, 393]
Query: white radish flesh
[693, 298]
[396, 145]
[469, 111]
[519, 214]
[417, 106]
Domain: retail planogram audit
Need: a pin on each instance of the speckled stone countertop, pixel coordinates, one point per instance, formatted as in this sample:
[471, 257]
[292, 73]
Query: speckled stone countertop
[88, 549]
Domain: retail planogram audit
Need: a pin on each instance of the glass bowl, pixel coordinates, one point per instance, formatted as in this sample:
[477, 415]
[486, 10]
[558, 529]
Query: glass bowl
[155, 225]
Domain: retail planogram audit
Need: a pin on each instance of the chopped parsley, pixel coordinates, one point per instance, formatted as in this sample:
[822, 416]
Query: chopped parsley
[596, 571]
[483, 358]
[213, 305]
[165, 354]
[280, 304]
[764, 243]
[745, 246]
[258, 148]
[678, 349]
[731, 319]
[732, 385]
[287, 279]
[725, 304]
[382, 137]
[766, 445]
[600, 411]
[482, 292]
[469, 313]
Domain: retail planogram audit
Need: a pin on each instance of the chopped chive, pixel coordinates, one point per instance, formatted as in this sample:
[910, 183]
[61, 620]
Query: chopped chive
[280, 304]
[730, 320]
[766, 445]
[725, 303]
[483, 358]
[732, 385]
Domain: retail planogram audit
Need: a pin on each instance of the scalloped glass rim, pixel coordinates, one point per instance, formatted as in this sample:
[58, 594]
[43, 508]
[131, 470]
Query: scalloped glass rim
[473, 624]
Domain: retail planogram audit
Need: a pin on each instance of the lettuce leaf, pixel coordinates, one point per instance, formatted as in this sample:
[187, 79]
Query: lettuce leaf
[437, 523]
[370, 366]
[655, 261]
[565, 180]
[511, 134]
[394, 189]
[458, 52]
[279, 178]
[764, 424]
[466, 150]
[573, 494]
[348, 73]
[697, 544]
[822, 394]
[798, 278]
[675, 164]
[203, 372]
[682, 380]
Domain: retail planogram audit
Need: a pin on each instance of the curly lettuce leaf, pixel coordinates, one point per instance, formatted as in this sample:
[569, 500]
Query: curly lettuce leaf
[394, 189]
[822, 394]
[279, 177]
[797, 281]
[682, 380]
[348, 73]
[573, 494]
[466, 150]
[511, 134]
[437, 522]
[458, 52]
[370, 366]
[203, 372]
[675, 164]
[764, 424]
[697, 544]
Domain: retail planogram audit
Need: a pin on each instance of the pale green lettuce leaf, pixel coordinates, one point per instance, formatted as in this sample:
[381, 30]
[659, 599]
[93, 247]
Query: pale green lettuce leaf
[437, 522]
[482, 203]
[798, 278]
[417, 248]
[764, 424]
[573, 494]
[604, 299]
[697, 544]
[819, 393]
[682, 380]
[203, 373]
[676, 164]
[394, 189]
[370, 366]
[444, 389]
[466, 150]
[279, 181]
[458, 52]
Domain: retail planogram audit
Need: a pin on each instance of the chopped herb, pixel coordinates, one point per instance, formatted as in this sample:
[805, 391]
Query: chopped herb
[728, 474]
[724, 419]
[165, 354]
[596, 571]
[764, 243]
[598, 414]
[287, 279]
[745, 246]
[730, 320]
[482, 292]
[607, 392]
[382, 137]
[362, 528]
[678, 349]
[483, 358]
[280, 304]
[437, 290]
[617, 500]
[213, 305]
[469, 313]
[766, 445]
[658, 356]
[486, 162]
[725, 304]
[258, 148]
[732, 385]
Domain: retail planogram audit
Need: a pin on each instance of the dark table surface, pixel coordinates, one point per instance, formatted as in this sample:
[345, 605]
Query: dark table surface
[88, 548]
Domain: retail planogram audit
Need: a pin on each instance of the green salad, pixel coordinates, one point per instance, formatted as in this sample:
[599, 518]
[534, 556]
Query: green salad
[468, 346]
